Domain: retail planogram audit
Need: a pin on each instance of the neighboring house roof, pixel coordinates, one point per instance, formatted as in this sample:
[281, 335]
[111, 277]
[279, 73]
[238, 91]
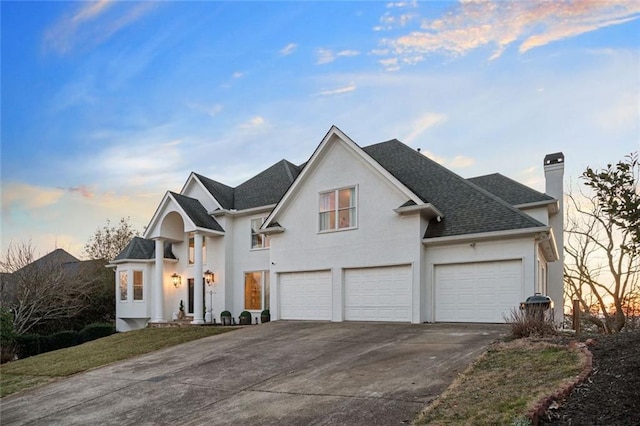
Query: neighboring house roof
[143, 249]
[509, 190]
[467, 208]
[196, 212]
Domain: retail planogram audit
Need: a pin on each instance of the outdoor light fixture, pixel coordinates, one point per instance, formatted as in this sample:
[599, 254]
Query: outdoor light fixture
[209, 277]
[176, 279]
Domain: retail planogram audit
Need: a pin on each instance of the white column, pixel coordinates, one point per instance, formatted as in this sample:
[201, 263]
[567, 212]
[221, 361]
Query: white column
[158, 288]
[197, 280]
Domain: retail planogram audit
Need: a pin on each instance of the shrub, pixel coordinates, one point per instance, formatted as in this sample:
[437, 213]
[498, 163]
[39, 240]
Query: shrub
[245, 314]
[64, 339]
[7, 335]
[96, 331]
[27, 345]
[225, 314]
[534, 321]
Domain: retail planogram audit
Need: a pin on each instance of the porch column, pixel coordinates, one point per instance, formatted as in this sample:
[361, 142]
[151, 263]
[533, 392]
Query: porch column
[158, 290]
[197, 280]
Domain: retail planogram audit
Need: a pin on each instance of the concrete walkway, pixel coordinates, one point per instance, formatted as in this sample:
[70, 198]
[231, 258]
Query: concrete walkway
[284, 372]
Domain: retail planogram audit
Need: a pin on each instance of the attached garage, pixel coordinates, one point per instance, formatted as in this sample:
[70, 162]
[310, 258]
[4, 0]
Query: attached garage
[477, 292]
[378, 294]
[305, 295]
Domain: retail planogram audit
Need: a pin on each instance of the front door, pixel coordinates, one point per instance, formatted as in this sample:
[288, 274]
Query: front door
[191, 293]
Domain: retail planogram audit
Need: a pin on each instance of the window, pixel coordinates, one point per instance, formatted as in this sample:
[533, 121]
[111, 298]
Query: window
[258, 241]
[256, 290]
[192, 250]
[124, 283]
[138, 286]
[338, 209]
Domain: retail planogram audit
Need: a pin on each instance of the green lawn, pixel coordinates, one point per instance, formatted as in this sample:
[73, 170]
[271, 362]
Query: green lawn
[33, 371]
[504, 383]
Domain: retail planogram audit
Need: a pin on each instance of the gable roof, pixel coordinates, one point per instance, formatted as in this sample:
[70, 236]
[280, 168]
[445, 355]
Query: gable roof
[467, 208]
[265, 188]
[143, 249]
[221, 192]
[196, 212]
[509, 190]
[335, 135]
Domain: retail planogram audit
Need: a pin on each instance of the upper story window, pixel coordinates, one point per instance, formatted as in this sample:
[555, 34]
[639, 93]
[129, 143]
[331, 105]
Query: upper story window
[123, 281]
[338, 209]
[138, 286]
[258, 241]
[192, 249]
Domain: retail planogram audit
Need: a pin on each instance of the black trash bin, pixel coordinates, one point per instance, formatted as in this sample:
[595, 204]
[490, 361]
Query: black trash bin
[536, 306]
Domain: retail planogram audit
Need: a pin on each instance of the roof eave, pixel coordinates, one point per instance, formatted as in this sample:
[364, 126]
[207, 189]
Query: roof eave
[552, 205]
[480, 236]
[245, 212]
[271, 230]
[427, 210]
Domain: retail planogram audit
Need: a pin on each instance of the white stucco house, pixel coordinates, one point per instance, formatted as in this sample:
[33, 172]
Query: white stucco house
[375, 233]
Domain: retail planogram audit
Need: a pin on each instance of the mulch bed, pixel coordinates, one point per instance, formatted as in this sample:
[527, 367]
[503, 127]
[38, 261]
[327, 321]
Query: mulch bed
[611, 394]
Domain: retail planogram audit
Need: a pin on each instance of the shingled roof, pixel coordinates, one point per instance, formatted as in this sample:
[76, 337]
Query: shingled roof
[143, 249]
[467, 208]
[196, 212]
[509, 190]
[264, 189]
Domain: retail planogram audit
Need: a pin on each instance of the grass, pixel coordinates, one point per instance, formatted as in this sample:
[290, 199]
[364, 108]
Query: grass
[34, 371]
[504, 383]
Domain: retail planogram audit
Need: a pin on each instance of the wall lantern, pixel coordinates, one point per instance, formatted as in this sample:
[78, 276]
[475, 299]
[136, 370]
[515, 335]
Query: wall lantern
[210, 277]
[176, 279]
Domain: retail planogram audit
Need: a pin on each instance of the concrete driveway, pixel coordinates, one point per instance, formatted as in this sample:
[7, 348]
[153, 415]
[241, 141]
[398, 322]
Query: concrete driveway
[284, 372]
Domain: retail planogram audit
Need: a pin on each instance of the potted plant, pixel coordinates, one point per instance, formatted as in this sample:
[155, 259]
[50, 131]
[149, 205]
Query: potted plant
[265, 316]
[245, 318]
[225, 318]
[181, 310]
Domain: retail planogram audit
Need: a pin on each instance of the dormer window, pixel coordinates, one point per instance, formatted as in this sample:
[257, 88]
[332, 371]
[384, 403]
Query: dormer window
[338, 210]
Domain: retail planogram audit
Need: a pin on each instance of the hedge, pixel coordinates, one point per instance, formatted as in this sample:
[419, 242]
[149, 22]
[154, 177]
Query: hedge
[96, 331]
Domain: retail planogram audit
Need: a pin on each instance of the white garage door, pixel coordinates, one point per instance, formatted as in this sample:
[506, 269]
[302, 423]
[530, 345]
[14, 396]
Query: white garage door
[478, 292]
[305, 295]
[378, 294]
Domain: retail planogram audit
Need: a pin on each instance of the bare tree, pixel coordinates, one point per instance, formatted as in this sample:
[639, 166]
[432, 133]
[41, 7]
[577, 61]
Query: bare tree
[600, 270]
[47, 289]
[107, 242]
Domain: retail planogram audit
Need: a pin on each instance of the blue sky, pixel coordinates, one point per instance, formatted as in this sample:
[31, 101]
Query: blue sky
[106, 105]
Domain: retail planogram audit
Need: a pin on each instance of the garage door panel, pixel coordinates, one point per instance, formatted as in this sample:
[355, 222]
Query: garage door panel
[477, 292]
[378, 294]
[305, 295]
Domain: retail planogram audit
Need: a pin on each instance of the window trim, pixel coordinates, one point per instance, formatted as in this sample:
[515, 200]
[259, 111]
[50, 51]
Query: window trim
[133, 286]
[265, 284]
[337, 210]
[190, 238]
[266, 240]
[126, 295]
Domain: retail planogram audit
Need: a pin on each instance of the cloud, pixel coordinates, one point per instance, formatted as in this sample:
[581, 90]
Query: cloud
[254, 123]
[288, 49]
[326, 56]
[29, 196]
[425, 122]
[346, 89]
[475, 24]
[210, 110]
[457, 162]
[89, 27]
[237, 74]
[82, 190]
